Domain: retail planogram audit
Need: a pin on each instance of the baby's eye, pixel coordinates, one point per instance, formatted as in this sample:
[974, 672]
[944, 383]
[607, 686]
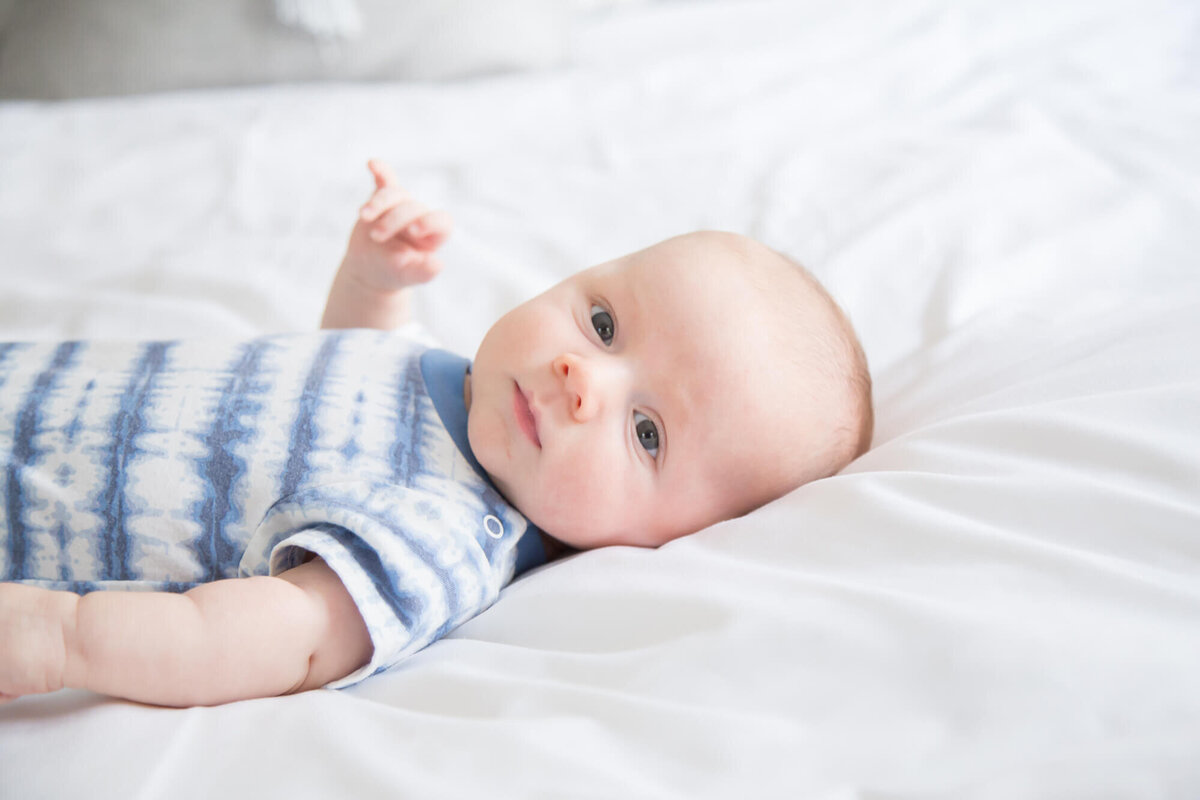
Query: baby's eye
[647, 433]
[602, 321]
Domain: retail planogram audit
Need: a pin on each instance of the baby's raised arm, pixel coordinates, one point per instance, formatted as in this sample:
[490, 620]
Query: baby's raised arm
[392, 247]
[229, 640]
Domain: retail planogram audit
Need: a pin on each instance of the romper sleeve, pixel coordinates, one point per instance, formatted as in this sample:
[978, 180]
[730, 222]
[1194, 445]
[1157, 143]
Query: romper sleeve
[417, 564]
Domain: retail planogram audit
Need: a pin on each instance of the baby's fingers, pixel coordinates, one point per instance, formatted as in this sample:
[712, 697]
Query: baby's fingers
[396, 220]
[382, 201]
[428, 231]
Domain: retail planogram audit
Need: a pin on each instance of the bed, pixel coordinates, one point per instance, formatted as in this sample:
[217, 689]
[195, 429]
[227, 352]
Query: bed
[1000, 600]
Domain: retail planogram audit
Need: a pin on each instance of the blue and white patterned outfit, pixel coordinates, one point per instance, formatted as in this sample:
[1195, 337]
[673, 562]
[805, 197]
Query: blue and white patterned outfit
[163, 465]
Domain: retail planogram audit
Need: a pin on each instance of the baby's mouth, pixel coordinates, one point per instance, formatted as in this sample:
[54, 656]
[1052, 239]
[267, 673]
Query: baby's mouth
[524, 416]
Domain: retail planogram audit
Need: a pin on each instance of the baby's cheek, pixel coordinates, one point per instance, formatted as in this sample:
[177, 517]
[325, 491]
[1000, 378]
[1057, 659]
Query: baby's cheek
[579, 502]
[488, 441]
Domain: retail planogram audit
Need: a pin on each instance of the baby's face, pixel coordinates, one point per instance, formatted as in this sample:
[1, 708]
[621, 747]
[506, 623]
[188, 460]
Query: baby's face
[625, 405]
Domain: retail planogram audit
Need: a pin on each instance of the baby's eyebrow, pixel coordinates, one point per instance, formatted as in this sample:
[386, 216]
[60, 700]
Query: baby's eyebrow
[631, 314]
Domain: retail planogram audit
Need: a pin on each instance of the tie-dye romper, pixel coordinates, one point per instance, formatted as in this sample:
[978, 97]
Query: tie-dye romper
[162, 465]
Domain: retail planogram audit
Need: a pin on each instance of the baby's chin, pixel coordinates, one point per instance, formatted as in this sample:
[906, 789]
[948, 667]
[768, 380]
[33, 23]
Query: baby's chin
[580, 535]
[572, 531]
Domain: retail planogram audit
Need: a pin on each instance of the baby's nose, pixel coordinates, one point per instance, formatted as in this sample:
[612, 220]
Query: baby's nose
[578, 380]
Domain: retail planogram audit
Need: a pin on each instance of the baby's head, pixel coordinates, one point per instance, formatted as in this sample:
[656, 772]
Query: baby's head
[654, 395]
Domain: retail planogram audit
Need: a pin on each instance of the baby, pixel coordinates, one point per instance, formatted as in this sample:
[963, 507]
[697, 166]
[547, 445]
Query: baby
[312, 509]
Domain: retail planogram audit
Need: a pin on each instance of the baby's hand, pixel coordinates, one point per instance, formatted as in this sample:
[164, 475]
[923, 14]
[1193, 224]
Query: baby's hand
[394, 241]
[32, 655]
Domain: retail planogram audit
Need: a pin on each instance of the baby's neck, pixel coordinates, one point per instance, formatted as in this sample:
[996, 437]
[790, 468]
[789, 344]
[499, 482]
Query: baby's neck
[554, 548]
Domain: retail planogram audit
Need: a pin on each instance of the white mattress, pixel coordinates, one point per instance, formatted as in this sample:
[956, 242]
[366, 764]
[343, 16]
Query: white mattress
[1000, 600]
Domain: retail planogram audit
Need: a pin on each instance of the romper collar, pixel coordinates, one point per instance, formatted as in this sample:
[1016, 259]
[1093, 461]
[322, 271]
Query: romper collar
[444, 373]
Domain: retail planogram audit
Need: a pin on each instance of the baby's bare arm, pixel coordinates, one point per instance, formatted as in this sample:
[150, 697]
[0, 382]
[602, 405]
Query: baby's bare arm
[224, 641]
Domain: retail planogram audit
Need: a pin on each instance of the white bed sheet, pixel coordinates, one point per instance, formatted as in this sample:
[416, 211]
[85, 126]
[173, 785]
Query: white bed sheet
[1000, 600]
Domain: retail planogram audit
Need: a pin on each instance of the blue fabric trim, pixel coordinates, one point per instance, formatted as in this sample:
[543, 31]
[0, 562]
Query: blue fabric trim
[444, 373]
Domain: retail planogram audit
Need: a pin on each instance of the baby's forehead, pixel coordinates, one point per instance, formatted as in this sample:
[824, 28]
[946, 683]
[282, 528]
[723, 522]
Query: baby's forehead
[718, 269]
[693, 283]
